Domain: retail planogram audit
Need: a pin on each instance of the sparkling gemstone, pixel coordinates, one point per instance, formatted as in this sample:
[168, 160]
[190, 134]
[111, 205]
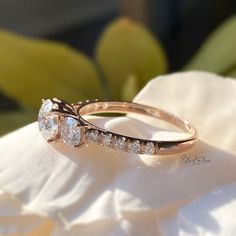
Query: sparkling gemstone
[134, 146]
[93, 136]
[46, 107]
[70, 131]
[106, 139]
[149, 148]
[48, 122]
[119, 143]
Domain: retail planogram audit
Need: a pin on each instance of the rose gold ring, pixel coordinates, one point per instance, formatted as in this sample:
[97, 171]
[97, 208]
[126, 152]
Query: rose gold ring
[61, 121]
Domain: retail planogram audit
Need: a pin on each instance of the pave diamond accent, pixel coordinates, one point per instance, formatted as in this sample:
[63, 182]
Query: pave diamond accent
[149, 148]
[70, 131]
[48, 122]
[134, 147]
[119, 143]
[93, 135]
[106, 139]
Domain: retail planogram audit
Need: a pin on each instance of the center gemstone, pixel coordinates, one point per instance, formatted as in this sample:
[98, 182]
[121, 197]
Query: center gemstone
[48, 122]
[70, 132]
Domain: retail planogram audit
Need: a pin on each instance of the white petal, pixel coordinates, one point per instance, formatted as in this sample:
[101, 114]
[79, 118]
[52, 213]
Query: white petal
[81, 187]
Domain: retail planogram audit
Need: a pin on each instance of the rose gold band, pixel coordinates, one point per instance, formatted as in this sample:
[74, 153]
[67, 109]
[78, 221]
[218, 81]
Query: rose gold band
[159, 146]
[59, 120]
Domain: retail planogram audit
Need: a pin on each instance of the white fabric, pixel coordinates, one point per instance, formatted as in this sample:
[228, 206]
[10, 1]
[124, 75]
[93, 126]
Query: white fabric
[55, 190]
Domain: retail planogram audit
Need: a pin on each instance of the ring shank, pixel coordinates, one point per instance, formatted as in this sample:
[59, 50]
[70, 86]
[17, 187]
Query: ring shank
[130, 107]
[165, 147]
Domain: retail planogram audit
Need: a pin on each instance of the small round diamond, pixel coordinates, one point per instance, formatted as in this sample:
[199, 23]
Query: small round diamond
[134, 146]
[48, 122]
[70, 131]
[106, 139]
[93, 135]
[119, 143]
[149, 148]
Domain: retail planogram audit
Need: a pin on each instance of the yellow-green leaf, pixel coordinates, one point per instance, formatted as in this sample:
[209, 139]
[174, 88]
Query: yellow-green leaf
[125, 48]
[31, 69]
[10, 121]
[130, 88]
[232, 72]
[218, 52]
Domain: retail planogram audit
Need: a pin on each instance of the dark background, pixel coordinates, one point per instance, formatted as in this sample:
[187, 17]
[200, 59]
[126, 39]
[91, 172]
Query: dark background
[181, 25]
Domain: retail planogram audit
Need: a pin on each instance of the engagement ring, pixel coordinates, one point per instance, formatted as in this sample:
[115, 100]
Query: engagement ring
[61, 121]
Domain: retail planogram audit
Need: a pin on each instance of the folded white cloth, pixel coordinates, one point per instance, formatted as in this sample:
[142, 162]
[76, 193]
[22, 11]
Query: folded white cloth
[56, 190]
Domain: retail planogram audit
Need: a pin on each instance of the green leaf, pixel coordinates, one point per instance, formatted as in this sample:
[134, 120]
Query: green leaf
[232, 73]
[130, 88]
[126, 48]
[12, 120]
[32, 69]
[218, 52]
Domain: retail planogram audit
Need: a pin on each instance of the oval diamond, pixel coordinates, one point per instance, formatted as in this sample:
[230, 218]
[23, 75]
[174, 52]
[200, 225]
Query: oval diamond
[46, 107]
[48, 122]
[70, 132]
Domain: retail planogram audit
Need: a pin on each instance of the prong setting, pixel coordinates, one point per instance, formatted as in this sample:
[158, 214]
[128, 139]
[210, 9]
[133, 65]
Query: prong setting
[62, 121]
[71, 133]
[47, 121]
[56, 123]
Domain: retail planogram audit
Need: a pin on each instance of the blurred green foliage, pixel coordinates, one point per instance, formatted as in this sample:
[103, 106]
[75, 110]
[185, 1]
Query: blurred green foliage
[32, 69]
[127, 56]
[128, 49]
[218, 52]
[15, 119]
[130, 88]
